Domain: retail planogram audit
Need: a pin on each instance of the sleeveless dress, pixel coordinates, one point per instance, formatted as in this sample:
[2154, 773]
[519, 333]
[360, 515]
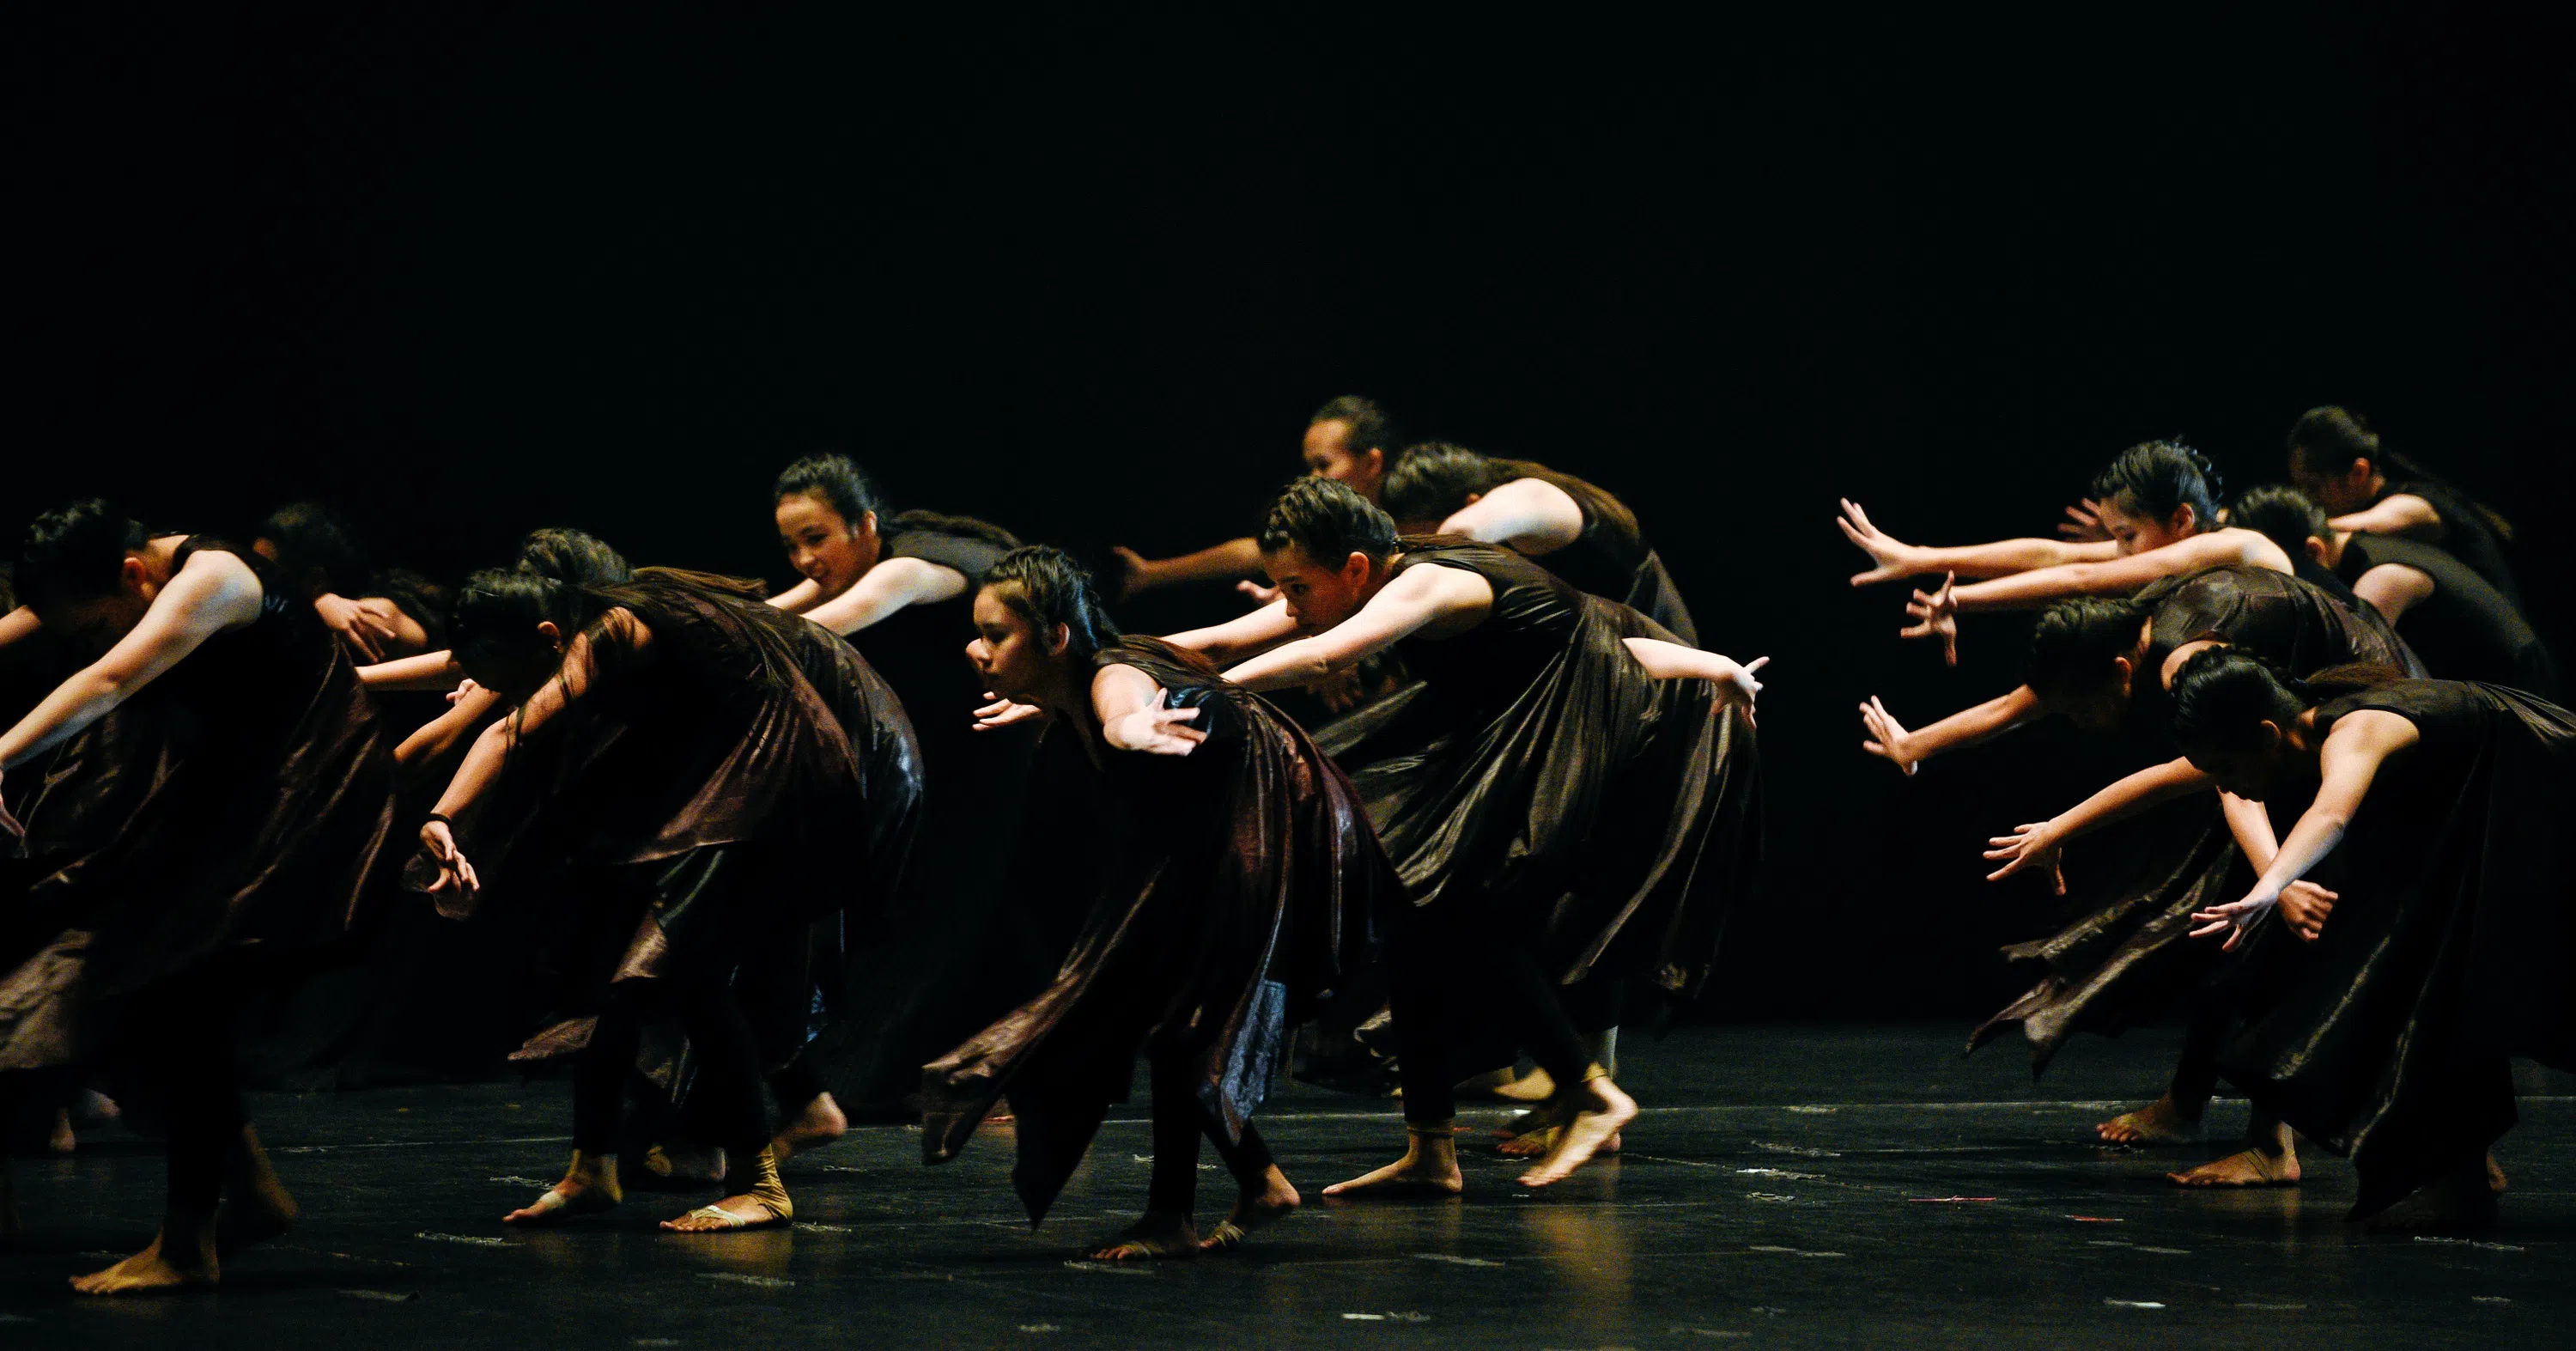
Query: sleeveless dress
[2466, 629]
[226, 822]
[2465, 534]
[2449, 950]
[1611, 558]
[1245, 885]
[2122, 960]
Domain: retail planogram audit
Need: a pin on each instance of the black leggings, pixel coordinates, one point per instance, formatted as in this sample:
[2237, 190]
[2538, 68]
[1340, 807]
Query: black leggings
[188, 1032]
[1443, 972]
[724, 1106]
[1180, 1121]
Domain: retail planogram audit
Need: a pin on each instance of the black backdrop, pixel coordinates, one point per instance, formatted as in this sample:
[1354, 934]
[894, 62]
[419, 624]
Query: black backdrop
[469, 269]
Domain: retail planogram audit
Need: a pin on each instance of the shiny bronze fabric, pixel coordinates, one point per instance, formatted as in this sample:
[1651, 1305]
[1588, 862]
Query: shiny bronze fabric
[2123, 958]
[1541, 780]
[2448, 951]
[1245, 884]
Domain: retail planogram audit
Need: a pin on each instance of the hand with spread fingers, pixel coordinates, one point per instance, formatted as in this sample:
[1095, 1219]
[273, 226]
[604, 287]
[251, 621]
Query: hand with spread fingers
[1936, 616]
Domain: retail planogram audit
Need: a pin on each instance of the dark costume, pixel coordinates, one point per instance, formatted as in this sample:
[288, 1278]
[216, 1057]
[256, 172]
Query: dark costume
[2448, 951]
[190, 859]
[2466, 533]
[1611, 558]
[2124, 958]
[1243, 888]
[2466, 629]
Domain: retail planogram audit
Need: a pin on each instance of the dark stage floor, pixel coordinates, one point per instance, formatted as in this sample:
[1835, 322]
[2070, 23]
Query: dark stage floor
[1786, 1186]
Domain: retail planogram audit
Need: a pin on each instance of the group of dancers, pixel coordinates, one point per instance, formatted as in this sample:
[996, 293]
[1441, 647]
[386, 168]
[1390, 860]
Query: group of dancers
[1461, 789]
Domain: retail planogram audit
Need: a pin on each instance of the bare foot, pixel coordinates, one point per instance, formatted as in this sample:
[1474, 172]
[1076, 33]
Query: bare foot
[96, 1109]
[818, 1124]
[188, 1266]
[1602, 1110]
[1534, 1086]
[1257, 1207]
[1538, 1140]
[2158, 1123]
[2250, 1168]
[61, 1140]
[730, 1214]
[1429, 1168]
[572, 1197]
[2495, 1176]
[258, 1206]
[1158, 1235]
[684, 1165]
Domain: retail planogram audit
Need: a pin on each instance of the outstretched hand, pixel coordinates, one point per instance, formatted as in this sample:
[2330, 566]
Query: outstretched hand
[1738, 686]
[1888, 739]
[1002, 713]
[1155, 731]
[454, 872]
[1936, 616]
[2029, 846]
[1891, 557]
[2304, 906]
[2083, 523]
[364, 631]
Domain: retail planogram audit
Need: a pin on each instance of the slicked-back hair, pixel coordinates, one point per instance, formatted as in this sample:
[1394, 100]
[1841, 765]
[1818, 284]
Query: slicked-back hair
[1043, 585]
[1371, 428]
[837, 479]
[2158, 478]
[76, 552]
[2283, 515]
[1328, 522]
[1432, 481]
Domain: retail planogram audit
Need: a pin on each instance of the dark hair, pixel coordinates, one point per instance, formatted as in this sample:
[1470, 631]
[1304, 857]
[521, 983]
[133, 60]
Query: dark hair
[1046, 587]
[1432, 481]
[311, 539]
[2159, 478]
[1371, 428]
[572, 556]
[2283, 515]
[1328, 522]
[2222, 693]
[2075, 641]
[76, 553]
[498, 609]
[834, 478]
[966, 526]
[2329, 439]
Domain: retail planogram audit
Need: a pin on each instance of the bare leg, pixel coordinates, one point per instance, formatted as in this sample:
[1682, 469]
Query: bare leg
[1263, 1196]
[2270, 1159]
[1429, 1167]
[818, 1123]
[1600, 1110]
[61, 1140]
[257, 1206]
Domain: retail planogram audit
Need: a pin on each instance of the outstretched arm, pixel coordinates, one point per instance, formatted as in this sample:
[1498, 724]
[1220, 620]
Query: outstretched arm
[1894, 560]
[1242, 638]
[427, 672]
[1132, 717]
[2359, 744]
[1906, 750]
[803, 596]
[2393, 588]
[2120, 576]
[17, 624]
[1230, 561]
[2038, 844]
[439, 735]
[1672, 661]
[491, 750]
[211, 592]
[1418, 598]
[1530, 515]
[2396, 514]
[884, 589]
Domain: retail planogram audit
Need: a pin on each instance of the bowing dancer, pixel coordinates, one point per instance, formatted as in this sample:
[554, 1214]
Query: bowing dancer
[742, 774]
[1245, 884]
[1578, 805]
[184, 902]
[947, 957]
[1581, 533]
[1349, 440]
[380, 614]
[2338, 460]
[2443, 950]
[2462, 626]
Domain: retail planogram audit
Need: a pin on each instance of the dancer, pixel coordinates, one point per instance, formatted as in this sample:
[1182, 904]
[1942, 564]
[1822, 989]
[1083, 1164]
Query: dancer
[2461, 625]
[947, 957]
[2445, 949]
[2158, 500]
[1246, 883]
[389, 613]
[2338, 460]
[188, 896]
[1575, 530]
[1349, 440]
[1578, 802]
[744, 771]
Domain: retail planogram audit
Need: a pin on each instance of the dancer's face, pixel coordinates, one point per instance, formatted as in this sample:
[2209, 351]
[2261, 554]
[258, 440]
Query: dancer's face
[1015, 660]
[100, 622]
[1319, 597]
[1329, 455]
[517, 669]
[2100, 709]
[2254, 768]
[822, 545]
[2340, 490]
[2136, 533]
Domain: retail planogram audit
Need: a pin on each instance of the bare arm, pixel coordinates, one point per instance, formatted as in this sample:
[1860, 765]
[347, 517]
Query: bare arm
[1132, 717]
[1418, 598]
[435, 738]
[2038, 844]
[1889, 740]
[428, 672]
[2397, 514]
[1242, 638]
[2120, 576]
[490, 752]
[2359, 744]
[211, 592]
[1672, 661]
[884, 589]
[797, 599]
[2393, 588]
[1894, 560]
[1530, 515]
[1233, 560]
[2252, 827]
[17, 624]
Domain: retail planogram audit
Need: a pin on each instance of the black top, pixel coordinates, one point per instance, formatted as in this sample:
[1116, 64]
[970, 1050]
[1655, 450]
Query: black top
[1611, 558]
[2466, 629]
[2292, 624]
[2465, 533]
[921, 649]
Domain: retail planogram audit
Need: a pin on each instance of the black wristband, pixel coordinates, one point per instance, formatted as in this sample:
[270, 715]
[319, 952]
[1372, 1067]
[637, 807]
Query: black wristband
[440, 818]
